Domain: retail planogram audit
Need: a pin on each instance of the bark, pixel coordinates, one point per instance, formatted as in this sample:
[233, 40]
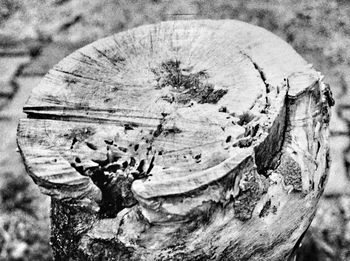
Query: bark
[186, 140]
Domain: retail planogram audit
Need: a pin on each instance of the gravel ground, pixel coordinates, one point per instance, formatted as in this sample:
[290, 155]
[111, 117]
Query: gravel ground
[36, 34]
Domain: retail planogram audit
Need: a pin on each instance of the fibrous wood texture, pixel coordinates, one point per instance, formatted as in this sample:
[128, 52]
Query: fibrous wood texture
[184, 140]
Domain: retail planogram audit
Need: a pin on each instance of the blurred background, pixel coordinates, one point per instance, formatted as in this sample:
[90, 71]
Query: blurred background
[36, 34]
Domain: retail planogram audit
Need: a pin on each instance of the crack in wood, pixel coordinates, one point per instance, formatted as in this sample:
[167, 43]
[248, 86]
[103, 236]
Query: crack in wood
[262, 76]
[180, 178]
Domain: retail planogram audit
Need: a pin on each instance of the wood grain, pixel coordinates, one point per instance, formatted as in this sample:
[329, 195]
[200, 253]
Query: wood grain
[201, 139]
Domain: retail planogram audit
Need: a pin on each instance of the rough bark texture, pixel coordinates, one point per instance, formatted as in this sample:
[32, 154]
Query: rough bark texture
[186, 140]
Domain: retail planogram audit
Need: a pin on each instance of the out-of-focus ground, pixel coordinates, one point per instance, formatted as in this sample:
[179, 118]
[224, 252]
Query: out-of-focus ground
[36, 34]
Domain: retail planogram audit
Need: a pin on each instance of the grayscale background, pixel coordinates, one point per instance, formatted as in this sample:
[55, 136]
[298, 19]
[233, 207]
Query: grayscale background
[36, 34]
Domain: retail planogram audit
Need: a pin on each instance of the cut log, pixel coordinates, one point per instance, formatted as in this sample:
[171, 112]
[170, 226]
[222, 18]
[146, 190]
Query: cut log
[184, 140]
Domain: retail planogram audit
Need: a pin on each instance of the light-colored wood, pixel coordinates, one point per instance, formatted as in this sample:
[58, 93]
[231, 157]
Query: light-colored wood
[207, 139]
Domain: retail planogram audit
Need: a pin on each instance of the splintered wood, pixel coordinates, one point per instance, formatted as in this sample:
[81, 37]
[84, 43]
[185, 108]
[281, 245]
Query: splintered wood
[184, 140]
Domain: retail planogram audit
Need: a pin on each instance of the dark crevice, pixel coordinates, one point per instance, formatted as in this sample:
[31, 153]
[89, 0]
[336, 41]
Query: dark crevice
[265, 210]
[223, 109]
[136, 147]
[158, 131]
[245, 142]
[128, 127]
[245, 118]
[81, 118]
[252, 130]
[140, 168]
[114, 176]
[150, 166]
[115, 180]
[132, 162]
[262, 76]
[91, 146]
[262, 162]
[261, 156]
[173, 130]
[93, 109]
[109, 142]
[73, 142]
[123, 165]
[198, 157]
[123, 149]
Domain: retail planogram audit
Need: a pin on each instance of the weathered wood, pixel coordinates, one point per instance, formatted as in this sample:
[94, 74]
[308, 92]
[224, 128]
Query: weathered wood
[185, 140]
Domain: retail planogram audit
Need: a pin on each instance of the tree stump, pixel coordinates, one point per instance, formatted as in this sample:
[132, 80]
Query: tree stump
[184, 140]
